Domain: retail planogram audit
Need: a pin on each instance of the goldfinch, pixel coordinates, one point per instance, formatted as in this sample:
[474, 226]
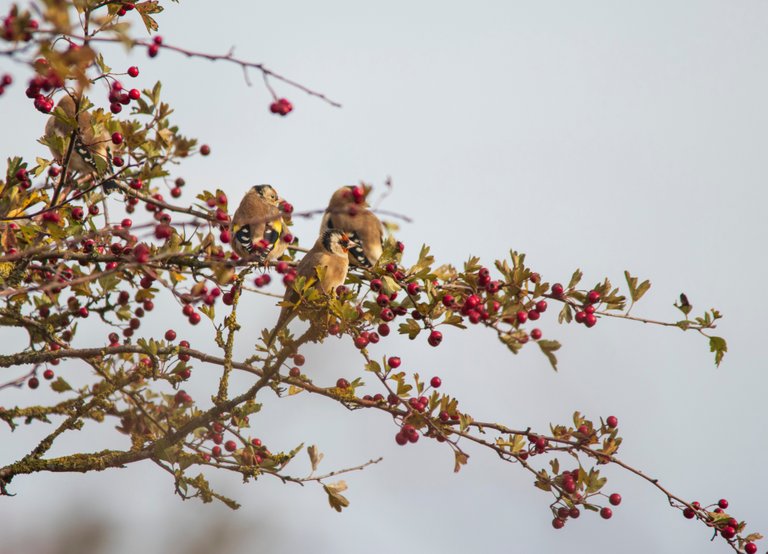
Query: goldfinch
[90, 151]
[324, 266]
[348, 211]
[257, 225]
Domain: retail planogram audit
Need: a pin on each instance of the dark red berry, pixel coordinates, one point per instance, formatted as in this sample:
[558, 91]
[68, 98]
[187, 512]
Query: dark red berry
[612, 422]
[606, 513]
[342, 383]
[723, 503]
[133, 71]
[435, 338]
[615, 499]
[231, 446]
[436, 382]
[33, 383]
[170, 335]
[558, 523]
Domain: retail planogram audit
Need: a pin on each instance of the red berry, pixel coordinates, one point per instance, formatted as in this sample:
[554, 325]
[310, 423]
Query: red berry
[361, 342]
[48, 374]
[558, 523]
[205, 150]
[435, 338]
[231, 446]
[728, 532]
[689, 513]
[133, 71]
[436, 382]
[375, 285]
[134, 94]
[33, 383]
[117, 138]
[612, 422]
[606, 513]
[394, 362]
[541, 306]
[750, 548]
[536, 334]
[590, 320]
[194, 319]
[615, 499]
[383, 329]
[153, 50]
[448, 300]
[83, 311]
[413, 288]
[723, 503]
[581, 317]
[593, 297]
[216, 451]
[294, 372]
[170, 335]
[522, 316]
[342, 383]
[401, 439]
[574, 512]
[299, 359]
[126, 223]
[533, 315]
[557, 289]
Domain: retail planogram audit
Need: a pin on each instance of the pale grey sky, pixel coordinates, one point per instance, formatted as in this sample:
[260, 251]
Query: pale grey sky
[600, 135]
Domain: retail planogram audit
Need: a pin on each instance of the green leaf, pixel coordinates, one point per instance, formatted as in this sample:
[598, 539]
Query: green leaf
[60, 385]
[575, 278]
[719, 347]
[549, 347]
[146, 8]
[410, 328]
[636, 291]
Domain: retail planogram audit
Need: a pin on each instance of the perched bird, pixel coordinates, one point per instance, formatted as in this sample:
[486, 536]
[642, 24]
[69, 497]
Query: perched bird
[90, 151]
[325, 267]
[257, 225]
[348, 211]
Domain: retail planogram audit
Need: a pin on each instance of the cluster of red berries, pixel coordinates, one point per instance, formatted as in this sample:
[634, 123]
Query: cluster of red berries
[119, 98]
[18, 28]
[5, 80]
[587, 315]
[407, 433]
[154, 48]
[24, 180]
[125, 8]
[728, 528]
[281, 107]
[43, 83]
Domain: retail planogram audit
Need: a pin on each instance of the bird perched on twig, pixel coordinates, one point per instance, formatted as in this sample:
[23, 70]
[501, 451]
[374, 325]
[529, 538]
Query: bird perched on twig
[324, 266]
[257, 225]
[348, 211]
[91, 140]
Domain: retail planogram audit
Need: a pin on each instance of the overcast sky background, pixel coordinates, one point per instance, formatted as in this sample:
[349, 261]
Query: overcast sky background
[600, 135]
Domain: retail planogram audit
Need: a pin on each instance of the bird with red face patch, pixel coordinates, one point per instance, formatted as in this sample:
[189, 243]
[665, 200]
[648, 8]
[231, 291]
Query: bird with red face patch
[348, 211]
